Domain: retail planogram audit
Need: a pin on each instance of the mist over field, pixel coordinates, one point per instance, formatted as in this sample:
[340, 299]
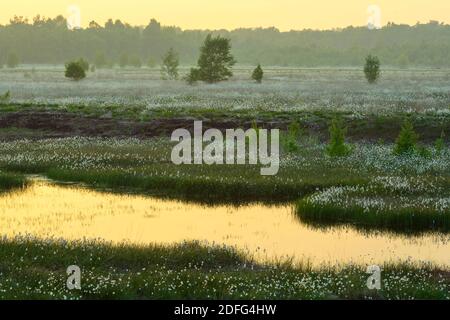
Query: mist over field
[152, 162]
[48, 41]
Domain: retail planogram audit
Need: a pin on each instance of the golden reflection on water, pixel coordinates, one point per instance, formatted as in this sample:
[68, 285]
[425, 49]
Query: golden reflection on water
[71, 212]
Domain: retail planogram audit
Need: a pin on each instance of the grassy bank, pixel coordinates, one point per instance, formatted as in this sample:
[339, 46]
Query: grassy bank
[32, 268]
[405, 220]
[408, 204]
[9, 181]
[204, 188]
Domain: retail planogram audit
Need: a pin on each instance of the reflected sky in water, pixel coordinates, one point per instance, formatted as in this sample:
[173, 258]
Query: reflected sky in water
[266, 233]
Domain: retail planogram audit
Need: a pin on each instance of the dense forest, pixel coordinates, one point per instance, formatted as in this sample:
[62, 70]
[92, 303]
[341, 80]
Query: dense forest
[49, 41]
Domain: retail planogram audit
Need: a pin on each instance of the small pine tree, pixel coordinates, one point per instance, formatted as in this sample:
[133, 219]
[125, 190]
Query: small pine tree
[75, 71]
[337, 146]
[258, 74]
[295, 130]
[169, 67]
[406, 142]
[290, 139]
[372, 69]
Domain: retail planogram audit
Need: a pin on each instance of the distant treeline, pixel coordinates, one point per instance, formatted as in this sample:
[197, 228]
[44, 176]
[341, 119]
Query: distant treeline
[46, 40]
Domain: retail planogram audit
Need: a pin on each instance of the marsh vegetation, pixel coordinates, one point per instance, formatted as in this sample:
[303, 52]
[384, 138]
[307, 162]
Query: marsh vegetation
[361, 172]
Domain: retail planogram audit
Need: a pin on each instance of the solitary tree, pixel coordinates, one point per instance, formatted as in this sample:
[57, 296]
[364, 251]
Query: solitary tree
[215, 61]
[258, 74]
[169, 67]
[12, 60]
[372, 69]
[75, 71]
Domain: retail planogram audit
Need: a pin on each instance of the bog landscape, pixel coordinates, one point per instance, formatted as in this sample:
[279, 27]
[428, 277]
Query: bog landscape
[87, 179]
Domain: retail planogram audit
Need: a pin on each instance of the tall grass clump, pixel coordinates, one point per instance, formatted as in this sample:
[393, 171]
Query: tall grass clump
[11, 181]
[439, 144]
[402, 220]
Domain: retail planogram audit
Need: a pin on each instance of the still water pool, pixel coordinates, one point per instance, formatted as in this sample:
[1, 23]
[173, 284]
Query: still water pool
[48, 210]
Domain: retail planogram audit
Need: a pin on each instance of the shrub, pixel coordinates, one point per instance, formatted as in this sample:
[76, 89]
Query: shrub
[406, 142]
[169, 67]
[193, 76]
[337, 147]
[372, 69]
[5, 97]
[258, 74]
[75, 71]
[424, 152]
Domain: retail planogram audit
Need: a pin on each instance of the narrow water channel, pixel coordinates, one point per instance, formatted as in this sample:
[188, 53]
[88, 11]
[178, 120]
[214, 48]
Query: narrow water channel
[48, 210]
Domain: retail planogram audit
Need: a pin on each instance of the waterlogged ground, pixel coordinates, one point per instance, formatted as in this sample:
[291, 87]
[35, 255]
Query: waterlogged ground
[264, 233]
[372, 177]
[268, 246]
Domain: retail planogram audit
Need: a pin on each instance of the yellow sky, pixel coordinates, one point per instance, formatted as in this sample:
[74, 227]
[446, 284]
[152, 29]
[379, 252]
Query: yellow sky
[230, 14]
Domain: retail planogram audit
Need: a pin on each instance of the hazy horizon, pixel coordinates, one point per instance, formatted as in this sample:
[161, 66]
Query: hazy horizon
[284, 15]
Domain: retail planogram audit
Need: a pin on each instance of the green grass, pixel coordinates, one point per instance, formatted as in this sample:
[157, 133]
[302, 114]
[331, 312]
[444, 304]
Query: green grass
[203, 188]
[20, 132]
[35, 269]
[9, 181]
[405, 220]
[398, 203]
